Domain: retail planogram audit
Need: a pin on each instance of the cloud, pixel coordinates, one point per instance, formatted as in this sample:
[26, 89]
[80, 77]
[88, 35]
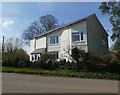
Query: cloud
[7, 23]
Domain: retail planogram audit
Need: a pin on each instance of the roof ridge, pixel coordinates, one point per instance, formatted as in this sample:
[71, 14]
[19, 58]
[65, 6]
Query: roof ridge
[62, 26]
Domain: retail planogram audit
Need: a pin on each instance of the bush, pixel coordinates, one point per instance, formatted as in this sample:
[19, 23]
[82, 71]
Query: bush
[111, 63]
[86, 61]
[67, 65]
[16, 58]
[44, 63]
[65, 73]
[107, 59]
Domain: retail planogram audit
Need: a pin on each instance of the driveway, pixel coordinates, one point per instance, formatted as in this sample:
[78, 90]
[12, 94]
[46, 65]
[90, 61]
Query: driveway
[24, 83]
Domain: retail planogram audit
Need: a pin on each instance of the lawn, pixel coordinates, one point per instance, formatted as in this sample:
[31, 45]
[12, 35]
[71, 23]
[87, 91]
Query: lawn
[64, 73]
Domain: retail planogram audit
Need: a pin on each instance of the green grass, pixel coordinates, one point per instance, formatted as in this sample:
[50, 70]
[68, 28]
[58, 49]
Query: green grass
[64, 73]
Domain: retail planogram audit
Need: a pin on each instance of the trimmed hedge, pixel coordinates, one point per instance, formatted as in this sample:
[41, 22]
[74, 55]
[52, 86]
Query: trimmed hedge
[64, 73]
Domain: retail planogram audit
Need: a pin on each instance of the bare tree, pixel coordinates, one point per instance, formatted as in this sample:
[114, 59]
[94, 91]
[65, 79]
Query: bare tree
[18, 43]
[48, 22]
[9, 45]
[12, 44]
[43, 24]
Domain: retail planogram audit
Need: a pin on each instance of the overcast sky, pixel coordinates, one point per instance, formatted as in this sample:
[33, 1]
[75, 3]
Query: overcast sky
[16, 17]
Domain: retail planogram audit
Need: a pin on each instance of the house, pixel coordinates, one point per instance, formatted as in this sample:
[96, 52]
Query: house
[86, 33]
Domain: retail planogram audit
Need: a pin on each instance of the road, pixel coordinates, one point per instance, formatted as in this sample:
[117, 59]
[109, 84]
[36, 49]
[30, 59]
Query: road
[24, 83]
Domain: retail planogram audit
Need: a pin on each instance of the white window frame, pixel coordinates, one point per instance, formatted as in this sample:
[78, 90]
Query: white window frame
[79, 33]
[54, 37]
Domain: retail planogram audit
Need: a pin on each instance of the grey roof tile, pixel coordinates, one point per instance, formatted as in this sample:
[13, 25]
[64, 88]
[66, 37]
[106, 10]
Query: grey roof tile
[62, 26]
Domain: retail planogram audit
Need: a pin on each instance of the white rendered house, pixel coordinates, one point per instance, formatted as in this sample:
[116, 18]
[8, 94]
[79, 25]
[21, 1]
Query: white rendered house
[86, 33]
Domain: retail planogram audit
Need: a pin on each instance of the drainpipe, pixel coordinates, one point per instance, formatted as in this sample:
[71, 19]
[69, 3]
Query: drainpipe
[47, 41]
[70, 40]
[35, 44]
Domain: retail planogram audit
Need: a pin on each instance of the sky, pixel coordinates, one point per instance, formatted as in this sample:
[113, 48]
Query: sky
[16, 17]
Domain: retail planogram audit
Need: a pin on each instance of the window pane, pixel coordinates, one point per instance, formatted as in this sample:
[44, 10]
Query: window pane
[81, 35]
[76, 36]
[32, 58]
[54, 40]
[35, 57]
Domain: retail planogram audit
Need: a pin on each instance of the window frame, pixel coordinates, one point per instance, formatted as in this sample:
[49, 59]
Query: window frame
[56, 38]
[80, 34]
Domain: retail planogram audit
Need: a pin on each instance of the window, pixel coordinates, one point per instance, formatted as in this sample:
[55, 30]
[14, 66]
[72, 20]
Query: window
[32, 57]
[35, 57]
[38, 57]
[54, 40]
[77, 36]
[81, 36]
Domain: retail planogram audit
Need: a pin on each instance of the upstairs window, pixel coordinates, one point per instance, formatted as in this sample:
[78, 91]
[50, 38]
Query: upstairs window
[77, 36]
[53, 40]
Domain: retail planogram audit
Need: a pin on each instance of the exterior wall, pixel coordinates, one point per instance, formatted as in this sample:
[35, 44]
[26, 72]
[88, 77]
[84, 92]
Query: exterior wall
[36, 44]
[80, 27]
[56, 47]
[32, 45]
[65, 44]
[65, 39]
[41, 42]
[93, 34]
[96, 34]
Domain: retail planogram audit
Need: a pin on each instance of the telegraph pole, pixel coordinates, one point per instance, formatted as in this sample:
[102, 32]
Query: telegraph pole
[3, 48]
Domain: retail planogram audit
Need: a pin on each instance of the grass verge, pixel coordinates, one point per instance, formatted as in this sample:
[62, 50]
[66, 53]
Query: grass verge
[64, 73]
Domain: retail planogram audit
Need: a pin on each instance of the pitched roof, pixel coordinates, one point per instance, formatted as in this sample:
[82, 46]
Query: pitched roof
[62, 26]
[65, 25]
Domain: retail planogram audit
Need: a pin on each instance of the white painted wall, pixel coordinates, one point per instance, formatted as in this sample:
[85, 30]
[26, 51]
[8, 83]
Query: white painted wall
[81, 26]
[36, 44]
[52, 48]
[41, 42]
[32, 48]
[65, 40]
[91, 41]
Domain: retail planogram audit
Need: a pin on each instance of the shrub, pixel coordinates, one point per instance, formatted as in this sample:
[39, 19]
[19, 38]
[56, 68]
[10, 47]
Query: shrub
[67, 65]
[45, 57]
[16, 58]
[107, 59]
[85, 60]
[44, 63]
[76, 54]
[111, 63]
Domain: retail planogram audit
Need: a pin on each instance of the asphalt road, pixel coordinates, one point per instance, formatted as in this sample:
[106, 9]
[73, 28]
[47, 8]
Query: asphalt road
[23, 83]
